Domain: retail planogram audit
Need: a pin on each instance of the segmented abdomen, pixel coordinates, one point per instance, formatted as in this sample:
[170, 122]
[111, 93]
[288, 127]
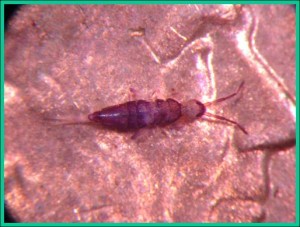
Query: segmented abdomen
[138, 114]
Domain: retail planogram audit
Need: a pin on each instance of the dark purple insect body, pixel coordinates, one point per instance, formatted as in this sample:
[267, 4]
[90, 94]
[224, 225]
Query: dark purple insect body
[138, 114]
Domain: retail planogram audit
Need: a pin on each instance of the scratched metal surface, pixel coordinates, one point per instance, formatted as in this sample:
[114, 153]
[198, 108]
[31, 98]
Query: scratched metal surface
[67, 61]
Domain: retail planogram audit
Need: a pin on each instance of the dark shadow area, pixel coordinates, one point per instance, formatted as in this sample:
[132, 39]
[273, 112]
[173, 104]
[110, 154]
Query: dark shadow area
[9, 12]
[274, 147]
[8, 218]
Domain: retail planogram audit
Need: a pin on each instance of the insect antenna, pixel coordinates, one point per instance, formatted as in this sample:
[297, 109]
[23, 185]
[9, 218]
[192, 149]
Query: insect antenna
[225, 98]
[228, 120]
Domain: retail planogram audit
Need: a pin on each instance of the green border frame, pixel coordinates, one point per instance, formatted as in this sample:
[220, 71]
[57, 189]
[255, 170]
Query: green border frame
[148, 2]
[2, 131]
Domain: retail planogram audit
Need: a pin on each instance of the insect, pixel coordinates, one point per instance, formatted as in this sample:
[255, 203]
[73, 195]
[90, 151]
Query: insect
[139, 114]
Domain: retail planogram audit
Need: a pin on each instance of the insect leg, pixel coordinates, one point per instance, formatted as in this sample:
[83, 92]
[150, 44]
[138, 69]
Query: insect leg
[227, 97]
[228, 120]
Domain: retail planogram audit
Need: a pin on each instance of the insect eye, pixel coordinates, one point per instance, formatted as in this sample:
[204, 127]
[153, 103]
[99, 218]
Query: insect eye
[202, 109]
